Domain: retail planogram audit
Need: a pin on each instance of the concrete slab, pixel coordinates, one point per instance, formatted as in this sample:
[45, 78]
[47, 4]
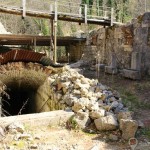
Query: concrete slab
[51, 118]
[132, 74]
[110, 70]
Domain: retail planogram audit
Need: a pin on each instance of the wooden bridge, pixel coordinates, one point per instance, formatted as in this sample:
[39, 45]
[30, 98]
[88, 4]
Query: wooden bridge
[58, 10]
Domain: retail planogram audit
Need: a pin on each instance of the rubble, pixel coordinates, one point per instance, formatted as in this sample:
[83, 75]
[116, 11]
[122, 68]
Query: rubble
[16, 127]
[90, 100]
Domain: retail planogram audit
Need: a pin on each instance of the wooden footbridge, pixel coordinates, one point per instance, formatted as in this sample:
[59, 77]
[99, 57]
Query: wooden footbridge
[59, 10]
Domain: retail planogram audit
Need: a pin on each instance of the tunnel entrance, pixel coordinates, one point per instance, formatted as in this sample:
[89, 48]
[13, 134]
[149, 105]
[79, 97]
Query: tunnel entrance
[27, 87]
[20, 100]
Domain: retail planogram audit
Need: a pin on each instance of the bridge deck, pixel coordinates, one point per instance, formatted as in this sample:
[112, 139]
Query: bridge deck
[65, 11]
[9, 39]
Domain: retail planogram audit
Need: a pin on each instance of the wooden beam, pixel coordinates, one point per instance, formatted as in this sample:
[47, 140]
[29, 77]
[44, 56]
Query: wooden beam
[50, 16]
[9, 39]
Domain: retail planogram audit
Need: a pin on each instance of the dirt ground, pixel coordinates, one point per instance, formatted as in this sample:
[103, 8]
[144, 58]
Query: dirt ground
[59, 138]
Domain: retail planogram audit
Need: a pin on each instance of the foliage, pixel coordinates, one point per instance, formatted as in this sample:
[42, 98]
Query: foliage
[72, 124]
[43, 26]
[131, 100]
[144, 132]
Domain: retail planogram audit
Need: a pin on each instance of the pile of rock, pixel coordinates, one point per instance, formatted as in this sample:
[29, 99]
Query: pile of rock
[92, 102]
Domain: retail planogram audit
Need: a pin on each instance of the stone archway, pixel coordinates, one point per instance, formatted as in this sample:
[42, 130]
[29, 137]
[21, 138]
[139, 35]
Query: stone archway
[28, 88]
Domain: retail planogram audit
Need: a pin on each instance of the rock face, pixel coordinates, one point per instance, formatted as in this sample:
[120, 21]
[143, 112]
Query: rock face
[128, 128]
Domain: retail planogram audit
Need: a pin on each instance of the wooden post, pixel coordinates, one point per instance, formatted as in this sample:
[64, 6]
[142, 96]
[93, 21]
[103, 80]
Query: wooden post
[55, 33]
[0, 105]
[52, 39]
[51, 8]
[112, 16]
[23, 8]
[85, 13]
[35, 44]
[80, 11]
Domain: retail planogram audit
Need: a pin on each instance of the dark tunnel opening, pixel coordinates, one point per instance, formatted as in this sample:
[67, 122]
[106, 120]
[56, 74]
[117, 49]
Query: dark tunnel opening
[20, 100]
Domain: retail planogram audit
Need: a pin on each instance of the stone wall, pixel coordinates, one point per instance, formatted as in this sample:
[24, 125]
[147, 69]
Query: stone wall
[33, 79]
[129, 43]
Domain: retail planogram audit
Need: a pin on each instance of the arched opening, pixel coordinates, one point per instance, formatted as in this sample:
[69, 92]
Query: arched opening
[20, 100]
[28, 90]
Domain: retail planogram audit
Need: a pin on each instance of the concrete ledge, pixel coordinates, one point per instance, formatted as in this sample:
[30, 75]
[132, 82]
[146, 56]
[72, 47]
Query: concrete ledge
[111, 70]
[132, 74]
[51, 118]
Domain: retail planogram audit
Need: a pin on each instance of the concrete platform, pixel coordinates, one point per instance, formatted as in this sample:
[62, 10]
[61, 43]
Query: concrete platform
[110, 70]
[132, 74]
[46, 118]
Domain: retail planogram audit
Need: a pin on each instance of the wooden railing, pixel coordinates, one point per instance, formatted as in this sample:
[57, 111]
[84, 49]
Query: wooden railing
[61, 7]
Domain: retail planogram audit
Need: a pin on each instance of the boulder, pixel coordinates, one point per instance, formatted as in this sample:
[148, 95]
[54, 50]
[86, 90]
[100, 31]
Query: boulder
[106, 123]
[80, 104]
[124, 115]
[93, 106]
[69, 99]
[128, 128]
[85, 80]
[97, 114]
[82, 119]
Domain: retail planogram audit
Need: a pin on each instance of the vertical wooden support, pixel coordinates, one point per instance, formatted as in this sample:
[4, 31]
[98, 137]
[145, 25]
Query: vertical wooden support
[35, 44]
[80, 11]
[112, 16]
[0, 105]
[51, 8]
[55, 33]
[23, 8]
[51, 39]
[85, 13]
[105, 14]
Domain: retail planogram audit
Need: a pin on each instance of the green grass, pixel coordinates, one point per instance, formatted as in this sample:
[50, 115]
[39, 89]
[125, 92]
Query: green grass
[144, 132]
[131, 100]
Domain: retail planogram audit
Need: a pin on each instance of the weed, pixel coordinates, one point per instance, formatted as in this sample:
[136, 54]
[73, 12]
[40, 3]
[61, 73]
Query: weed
[143, 86]
[144, 132]
[130, 99]
[72, 123]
